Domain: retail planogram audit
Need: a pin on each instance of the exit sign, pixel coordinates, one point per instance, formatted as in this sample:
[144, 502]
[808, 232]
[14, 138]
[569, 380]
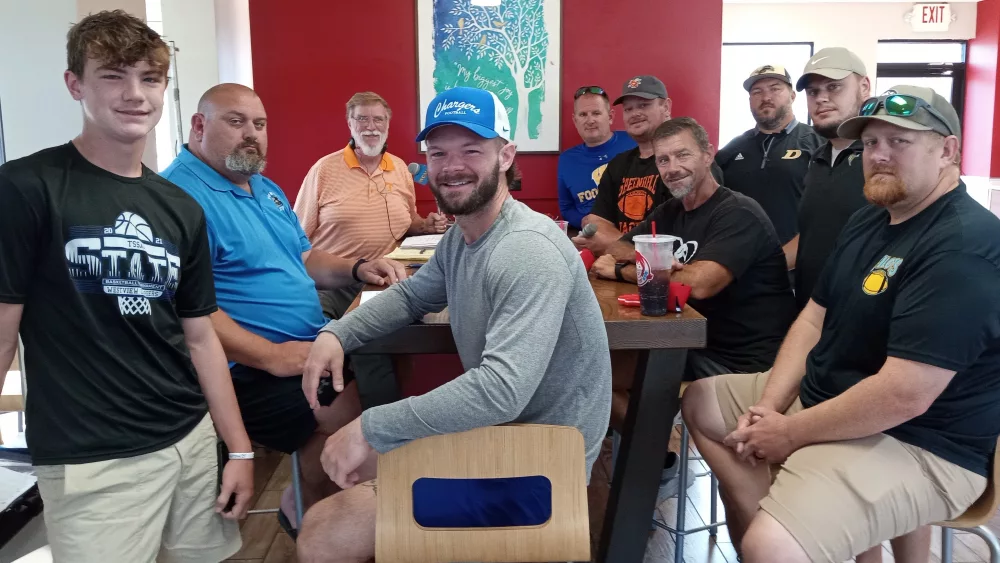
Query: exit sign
[930, 17]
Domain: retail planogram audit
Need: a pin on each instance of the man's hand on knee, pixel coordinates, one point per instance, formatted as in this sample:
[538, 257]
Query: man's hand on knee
[347, 457]
[767, 436]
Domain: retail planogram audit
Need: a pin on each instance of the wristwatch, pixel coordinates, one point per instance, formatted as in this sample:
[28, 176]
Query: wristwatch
[354, 270]
[618, 270]
[238, 455]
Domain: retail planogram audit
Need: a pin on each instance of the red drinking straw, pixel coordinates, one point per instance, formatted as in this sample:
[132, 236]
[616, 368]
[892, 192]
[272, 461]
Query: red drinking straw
[654, 228]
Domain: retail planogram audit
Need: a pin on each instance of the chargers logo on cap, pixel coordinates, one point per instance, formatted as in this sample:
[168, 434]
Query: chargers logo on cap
[454, 108]
[634, 83]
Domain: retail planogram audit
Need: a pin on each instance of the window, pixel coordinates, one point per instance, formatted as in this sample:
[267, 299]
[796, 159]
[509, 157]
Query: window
[933, 64]
[738, 61]
[165, 147]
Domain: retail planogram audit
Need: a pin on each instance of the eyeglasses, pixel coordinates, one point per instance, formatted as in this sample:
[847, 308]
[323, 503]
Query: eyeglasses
[590, 90]
[366, 119]
[901, 105]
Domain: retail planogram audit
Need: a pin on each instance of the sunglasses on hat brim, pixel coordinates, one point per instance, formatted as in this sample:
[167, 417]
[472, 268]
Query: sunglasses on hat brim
[901, 105]
[590, 90]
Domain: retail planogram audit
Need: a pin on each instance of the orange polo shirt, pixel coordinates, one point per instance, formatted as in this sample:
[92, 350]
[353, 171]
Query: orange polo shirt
[351, 214]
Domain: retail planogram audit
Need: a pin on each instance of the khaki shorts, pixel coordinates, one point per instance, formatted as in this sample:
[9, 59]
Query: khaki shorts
[158, 506]
[840, 498]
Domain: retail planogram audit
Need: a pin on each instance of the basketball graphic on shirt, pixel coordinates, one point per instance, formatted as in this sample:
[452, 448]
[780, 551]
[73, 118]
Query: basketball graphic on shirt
[131, 225]
[635, 203]
[876, 282]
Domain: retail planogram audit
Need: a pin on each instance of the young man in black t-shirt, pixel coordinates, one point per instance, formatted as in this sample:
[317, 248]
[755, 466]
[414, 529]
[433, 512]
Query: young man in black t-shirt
[882, 411]
[729, 254]
[631, 187]
[108, 278]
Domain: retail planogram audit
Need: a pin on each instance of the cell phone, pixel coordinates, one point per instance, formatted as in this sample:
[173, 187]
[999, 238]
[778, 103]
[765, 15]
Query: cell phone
[223, 455]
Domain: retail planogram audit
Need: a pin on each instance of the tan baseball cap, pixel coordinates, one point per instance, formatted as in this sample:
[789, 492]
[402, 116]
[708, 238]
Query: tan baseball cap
[834, 63]
[940, 117]
[767, 71]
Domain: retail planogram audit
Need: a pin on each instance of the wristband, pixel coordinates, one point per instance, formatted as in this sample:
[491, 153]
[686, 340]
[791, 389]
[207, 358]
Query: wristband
[354, 270]
[618, 271]
[236, 455]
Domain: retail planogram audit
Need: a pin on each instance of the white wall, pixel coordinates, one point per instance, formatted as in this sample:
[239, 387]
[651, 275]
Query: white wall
[190, 24]
[859, 27]
[38, 111]
[232, 33]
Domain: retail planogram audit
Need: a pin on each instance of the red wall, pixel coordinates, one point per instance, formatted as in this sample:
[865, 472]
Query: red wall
[310, 56]
[981, 157]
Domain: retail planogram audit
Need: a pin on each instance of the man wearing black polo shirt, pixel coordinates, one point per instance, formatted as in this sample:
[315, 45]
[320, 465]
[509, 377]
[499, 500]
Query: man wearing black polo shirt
[631, 187]
[882, 411]
[729, 251]
[836, 85]
[769, 162]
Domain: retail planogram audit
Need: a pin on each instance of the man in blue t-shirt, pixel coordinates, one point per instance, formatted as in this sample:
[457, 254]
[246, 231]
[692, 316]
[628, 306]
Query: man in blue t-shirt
[581, 167]
[266, 276]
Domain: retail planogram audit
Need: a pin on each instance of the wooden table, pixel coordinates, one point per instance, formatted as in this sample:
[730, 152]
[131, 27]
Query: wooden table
[661, 345]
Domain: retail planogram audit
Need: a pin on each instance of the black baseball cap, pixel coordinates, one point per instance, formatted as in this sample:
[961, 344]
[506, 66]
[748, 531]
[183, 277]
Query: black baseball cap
[643, 86]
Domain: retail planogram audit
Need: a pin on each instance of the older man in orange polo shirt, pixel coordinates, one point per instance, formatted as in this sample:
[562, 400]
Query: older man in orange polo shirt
[357, 203]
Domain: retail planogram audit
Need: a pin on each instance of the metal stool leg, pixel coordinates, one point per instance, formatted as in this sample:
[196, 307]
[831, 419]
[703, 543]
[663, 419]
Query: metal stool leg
[616, 441]
[682, 476]
[946, 544]
[982, 531]
[297, 488]
[714, 511]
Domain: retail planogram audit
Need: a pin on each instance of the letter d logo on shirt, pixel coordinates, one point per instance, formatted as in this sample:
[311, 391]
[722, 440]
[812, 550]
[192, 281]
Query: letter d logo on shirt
[792, 154]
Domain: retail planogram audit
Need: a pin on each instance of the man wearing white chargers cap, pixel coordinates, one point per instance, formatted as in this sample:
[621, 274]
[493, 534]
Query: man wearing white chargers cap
[525, 320]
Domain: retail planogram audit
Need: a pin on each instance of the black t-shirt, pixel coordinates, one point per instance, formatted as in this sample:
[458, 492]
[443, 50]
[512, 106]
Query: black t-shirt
[772, 170]
[631, 188]
[105, 267]
[834, 191]
[748, 319]
[925, 290]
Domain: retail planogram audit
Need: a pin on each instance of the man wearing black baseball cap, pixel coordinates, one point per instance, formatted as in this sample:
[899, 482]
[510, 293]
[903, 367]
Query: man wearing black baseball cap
[882, 411]
[631, 187]
[769, 162]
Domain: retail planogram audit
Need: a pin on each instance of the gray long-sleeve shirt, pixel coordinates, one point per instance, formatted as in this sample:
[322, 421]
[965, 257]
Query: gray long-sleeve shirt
[526, 324]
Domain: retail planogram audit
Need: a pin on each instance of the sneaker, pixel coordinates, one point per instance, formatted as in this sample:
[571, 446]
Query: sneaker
[669, 481]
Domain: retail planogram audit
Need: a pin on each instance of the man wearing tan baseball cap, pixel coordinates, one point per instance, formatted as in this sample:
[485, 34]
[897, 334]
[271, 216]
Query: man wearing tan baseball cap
[835, 85]
[882, 411]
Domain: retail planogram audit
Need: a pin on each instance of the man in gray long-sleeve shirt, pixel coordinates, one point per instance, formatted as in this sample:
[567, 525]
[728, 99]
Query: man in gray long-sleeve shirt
[524, 317]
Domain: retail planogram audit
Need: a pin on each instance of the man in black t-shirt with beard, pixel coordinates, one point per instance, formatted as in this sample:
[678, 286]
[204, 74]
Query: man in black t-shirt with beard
[729, 254]
[631, 187]
[882, 411]
[106, 273]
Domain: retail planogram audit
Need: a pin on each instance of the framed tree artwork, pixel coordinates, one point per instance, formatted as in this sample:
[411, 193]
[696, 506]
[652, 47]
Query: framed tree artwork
[510, 48]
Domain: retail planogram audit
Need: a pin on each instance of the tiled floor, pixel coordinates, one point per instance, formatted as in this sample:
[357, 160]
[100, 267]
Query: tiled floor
[265, 542]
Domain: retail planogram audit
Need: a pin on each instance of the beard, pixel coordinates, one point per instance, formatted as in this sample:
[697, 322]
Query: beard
[772, 123]
[883, 187]
[248, 164]
[480, 197]
[361, 142]
[830, 131]
[681, 189]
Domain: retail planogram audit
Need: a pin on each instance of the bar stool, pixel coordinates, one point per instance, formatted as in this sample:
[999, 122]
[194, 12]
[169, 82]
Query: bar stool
[973, 520]
[296, 489]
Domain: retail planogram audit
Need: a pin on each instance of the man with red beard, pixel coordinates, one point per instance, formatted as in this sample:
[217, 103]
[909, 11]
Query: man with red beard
[882, 411]
[525, 319]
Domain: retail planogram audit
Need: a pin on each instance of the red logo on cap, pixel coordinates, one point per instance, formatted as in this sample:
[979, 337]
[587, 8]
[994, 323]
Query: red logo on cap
[634, 83]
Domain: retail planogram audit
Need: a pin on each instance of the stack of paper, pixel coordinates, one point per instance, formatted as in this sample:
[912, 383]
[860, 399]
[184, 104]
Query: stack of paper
[411, 254]
[422, 241]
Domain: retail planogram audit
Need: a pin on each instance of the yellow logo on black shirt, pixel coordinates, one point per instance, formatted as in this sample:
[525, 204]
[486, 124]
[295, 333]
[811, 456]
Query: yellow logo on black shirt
[877, 281]
[792, 154]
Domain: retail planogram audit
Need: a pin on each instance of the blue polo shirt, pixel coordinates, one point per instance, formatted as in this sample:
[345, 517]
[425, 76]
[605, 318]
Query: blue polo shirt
[256, 244]
[579, 173]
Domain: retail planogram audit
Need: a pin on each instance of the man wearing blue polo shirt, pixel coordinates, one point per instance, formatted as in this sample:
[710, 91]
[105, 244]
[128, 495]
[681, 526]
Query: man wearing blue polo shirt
[581, 167]
[266, 276]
